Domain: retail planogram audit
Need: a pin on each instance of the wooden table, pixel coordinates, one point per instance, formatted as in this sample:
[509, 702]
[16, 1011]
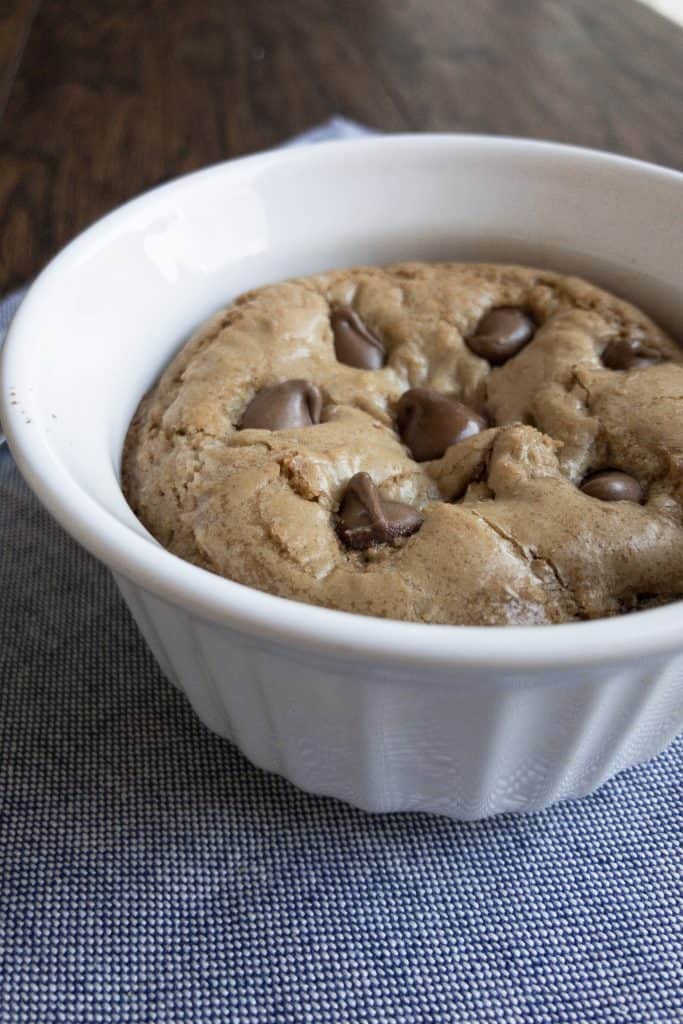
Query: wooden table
[104, 98]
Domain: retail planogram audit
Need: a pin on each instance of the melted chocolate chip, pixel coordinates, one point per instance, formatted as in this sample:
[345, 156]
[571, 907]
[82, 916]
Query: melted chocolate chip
[429, 422]
[612, 485]
[366, 519]
[630, 354]
[354, 343]
[294, 403]
[502, 333]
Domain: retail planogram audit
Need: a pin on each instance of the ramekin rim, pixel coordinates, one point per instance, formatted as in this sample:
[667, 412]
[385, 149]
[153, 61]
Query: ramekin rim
[283, 620]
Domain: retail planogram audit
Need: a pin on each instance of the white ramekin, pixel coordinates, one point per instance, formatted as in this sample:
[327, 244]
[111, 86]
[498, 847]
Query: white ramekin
[389, 716]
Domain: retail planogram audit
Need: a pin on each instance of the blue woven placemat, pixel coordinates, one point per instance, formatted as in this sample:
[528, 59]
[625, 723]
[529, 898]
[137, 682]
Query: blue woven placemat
[149, 874]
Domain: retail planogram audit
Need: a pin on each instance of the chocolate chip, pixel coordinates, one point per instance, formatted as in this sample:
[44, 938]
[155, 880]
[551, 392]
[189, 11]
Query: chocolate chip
[630, 354]
[502, 333]
[366, 519]
[612, 485]
[429, 422]
[354, 343]
[294, 403]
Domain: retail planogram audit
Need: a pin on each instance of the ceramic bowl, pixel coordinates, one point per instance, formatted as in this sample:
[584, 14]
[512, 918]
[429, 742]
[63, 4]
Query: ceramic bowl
[466, 721]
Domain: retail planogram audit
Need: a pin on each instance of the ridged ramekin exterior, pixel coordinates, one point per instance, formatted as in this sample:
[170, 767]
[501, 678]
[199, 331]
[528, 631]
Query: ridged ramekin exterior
[479, 744]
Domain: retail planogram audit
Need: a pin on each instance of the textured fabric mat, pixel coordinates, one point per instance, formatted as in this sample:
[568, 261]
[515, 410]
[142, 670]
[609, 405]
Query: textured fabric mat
[149, 874]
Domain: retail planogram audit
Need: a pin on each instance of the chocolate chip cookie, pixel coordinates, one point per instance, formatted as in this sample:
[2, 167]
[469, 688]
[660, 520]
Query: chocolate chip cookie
[447, 443]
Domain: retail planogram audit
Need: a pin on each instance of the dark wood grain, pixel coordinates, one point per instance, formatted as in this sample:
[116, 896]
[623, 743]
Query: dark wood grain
[16, 18]
[111, 97]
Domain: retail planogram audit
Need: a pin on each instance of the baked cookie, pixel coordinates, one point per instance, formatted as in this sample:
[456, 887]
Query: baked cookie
[452, 443]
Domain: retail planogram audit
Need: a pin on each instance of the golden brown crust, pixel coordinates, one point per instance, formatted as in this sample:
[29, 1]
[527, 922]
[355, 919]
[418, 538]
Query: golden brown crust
[508, 537]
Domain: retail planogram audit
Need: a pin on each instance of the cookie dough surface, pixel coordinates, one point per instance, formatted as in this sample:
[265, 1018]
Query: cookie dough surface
[507, 535]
